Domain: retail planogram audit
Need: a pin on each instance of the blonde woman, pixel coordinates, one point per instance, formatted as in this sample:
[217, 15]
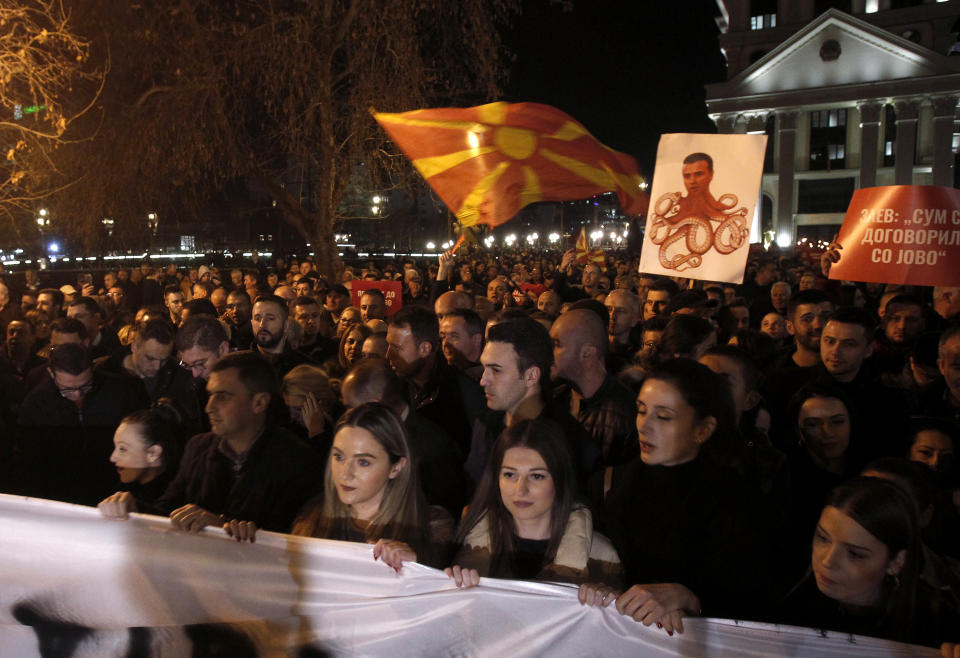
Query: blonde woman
[372, 495]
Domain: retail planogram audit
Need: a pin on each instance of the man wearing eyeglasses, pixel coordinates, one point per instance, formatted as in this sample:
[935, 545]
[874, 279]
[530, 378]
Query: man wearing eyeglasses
[65, 429]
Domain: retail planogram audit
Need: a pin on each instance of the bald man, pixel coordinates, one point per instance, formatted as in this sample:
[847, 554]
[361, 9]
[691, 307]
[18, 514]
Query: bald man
[624, 309]
[451, 300]
[595, 397]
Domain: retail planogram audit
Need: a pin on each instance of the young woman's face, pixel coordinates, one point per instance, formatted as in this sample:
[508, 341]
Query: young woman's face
[361, 469]
[526, 488]
[669, 431]
[933, 448]
[825, 427]
[131, 455]
[848, 562]
[353, 347]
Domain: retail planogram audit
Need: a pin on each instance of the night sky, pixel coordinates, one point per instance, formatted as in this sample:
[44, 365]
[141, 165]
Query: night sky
[628, 70]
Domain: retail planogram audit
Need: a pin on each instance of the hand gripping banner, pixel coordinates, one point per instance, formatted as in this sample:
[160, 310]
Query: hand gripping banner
[76, 584]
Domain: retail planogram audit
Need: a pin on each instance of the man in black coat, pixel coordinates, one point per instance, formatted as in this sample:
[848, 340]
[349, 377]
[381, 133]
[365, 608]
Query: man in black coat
[247, 473]
[66, 425]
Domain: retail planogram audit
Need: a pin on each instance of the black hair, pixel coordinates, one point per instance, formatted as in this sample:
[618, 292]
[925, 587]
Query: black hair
[273, 299]
[683, 333]
[70, 358]
[201, 331]
[857, 316]
[597, 307]
[422, 322]
[253, 369]
[69, 326]
[808, 296]
[531, 341]
[88, 303]
[158, 329]
[699, 157]
[202, 306]
[157, 429]
[470, 317]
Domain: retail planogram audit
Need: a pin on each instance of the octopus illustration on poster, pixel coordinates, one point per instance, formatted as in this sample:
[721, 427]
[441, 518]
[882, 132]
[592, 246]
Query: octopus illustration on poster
[684, 226]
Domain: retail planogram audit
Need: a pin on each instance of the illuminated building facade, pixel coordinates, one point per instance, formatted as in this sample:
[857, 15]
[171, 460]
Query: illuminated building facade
[852, 94]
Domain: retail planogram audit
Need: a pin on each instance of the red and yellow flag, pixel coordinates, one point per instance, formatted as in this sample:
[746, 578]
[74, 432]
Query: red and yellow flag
[488, 162]
[584, 254]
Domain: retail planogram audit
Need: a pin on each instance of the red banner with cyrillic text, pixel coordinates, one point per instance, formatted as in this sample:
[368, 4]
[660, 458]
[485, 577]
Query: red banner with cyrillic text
[905, 234]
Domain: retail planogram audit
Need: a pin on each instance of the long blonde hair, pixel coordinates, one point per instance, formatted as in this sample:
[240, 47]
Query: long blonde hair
[403, 509]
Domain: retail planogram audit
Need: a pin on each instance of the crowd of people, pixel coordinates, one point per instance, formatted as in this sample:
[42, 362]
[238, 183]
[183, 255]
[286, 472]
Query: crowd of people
[780, 450]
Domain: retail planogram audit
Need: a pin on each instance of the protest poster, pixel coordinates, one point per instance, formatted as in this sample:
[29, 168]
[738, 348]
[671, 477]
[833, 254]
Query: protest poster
[903, 234]
[392, 292]
[705, 189]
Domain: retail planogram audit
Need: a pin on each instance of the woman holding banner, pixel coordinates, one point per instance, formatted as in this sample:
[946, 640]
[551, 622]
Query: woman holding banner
[524, 522]
[682, 516]
[371, 493]
[145, 453]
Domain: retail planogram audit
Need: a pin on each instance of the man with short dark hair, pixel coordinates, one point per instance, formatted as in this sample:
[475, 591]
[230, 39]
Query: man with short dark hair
[237, 317]
[438, 391]
[517, 360]
[86, 310]
[50, 302]
[807, 314]
[247, 473]
[461, 339]
[902, 323]
[173, 300]
[269, 324]
[317, 328]
[658, 297]
[149, 363]
[66, 427]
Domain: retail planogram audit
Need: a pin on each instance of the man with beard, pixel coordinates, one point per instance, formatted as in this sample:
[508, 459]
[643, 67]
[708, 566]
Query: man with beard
[237, 317]
[373, 305]
[461, 338]
[438, 391]
[268, 324]
[807, 314]
[594, 397]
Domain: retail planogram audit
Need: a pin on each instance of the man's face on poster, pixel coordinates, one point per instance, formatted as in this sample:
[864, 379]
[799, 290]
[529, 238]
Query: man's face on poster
[697, 176]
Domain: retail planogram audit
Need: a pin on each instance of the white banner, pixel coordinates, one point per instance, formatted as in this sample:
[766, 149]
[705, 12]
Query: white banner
[75, 584]
[705, 189]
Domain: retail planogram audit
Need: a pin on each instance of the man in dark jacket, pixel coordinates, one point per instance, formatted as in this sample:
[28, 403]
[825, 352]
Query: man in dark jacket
[66, 427]
[247, 473]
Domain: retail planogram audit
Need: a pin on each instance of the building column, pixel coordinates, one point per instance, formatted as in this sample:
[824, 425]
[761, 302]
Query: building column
[907, 113]
[787, 138]
[944, 110]
[869, 142]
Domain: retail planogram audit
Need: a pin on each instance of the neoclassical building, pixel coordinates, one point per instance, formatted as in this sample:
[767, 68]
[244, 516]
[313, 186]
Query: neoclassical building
[849, 99]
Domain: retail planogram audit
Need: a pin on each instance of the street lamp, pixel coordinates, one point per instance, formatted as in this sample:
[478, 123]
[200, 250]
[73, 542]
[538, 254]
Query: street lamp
[153, 222]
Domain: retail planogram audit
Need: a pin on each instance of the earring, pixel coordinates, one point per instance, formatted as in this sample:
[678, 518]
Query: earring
[896, 581]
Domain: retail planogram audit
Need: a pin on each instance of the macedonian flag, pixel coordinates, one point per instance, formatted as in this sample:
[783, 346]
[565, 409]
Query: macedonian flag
[488, 162]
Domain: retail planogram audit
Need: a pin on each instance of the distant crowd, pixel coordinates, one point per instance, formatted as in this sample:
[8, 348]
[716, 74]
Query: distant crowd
[779, 450]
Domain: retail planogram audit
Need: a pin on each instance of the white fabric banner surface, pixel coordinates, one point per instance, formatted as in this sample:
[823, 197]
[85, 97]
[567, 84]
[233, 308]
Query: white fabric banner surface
[702, 202]
[75, 584]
